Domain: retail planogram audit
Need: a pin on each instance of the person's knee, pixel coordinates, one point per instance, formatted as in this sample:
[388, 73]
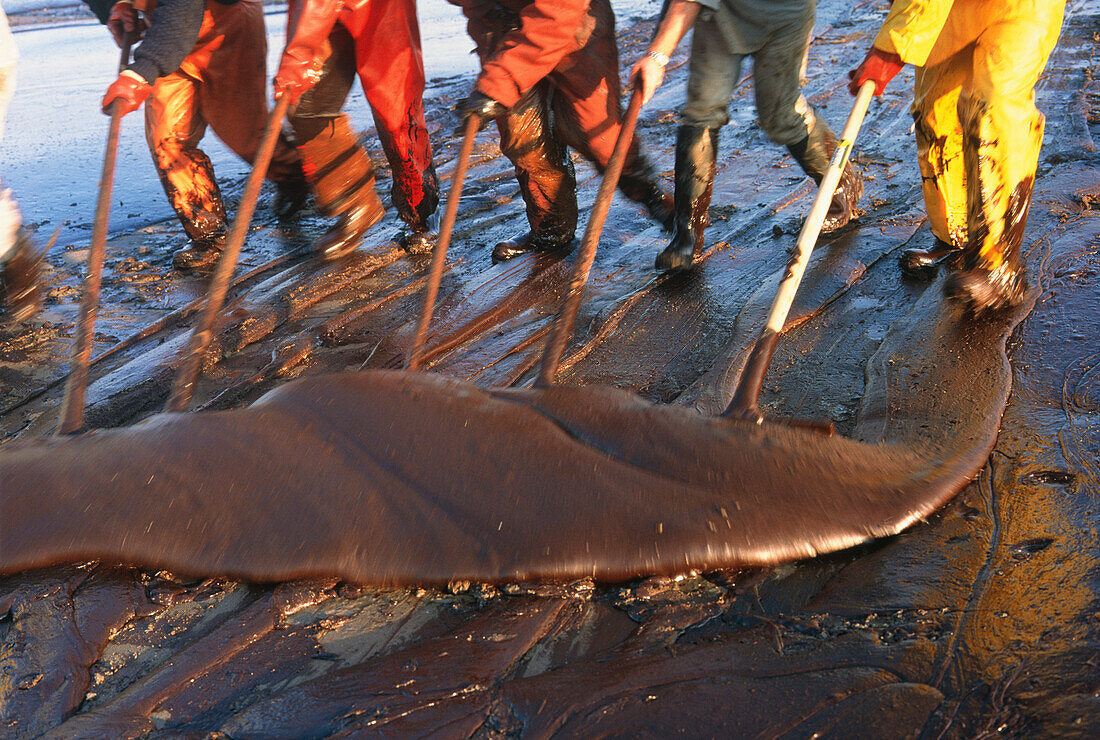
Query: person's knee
[787, 124]
[704, 110]
[169, 151]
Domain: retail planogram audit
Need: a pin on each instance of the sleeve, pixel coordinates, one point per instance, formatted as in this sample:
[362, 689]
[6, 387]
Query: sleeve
[548, 31]
[101, 8]
[172, 33]
[911, 29]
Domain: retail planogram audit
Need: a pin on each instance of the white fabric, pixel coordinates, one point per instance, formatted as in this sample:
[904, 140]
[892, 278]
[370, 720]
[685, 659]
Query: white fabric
[8, 55]
[10, 221]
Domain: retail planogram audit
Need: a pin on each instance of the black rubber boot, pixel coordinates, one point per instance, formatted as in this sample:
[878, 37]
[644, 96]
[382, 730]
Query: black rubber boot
[202, 255]
[531, 242]
[20, 290]
[813, 154]
[291, 196]
[420, 238]
[639, 183]
[344, 236]
[979, 289]
[921, 264]
[696, 153]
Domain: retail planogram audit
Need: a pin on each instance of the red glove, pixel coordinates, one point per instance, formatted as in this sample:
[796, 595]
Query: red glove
[880, 66]
[129, 91]
[306, 48]
[296, 75]
[124, 18]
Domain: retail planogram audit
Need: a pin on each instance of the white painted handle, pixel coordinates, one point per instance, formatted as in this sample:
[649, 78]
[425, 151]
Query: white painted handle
[811, 229]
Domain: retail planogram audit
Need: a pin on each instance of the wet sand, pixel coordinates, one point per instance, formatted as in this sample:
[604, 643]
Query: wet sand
[980, 621]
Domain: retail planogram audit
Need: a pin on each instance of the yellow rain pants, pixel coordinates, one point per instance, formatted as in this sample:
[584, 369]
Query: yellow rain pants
[978, 131]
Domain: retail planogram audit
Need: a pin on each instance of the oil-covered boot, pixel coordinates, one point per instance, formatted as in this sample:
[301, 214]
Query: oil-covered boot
[421, 220]
[992, 275]
[344, 236]
[20, 291]
[639, 183]
[921, 264]
[696, 153]
[980, 289]
[420, 238]
[542, 241]
[813, 154]
[208, 232]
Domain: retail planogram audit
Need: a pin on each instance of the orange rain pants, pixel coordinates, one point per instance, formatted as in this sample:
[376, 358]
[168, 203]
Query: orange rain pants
[222, 83]
[555, 65]
[378, 40]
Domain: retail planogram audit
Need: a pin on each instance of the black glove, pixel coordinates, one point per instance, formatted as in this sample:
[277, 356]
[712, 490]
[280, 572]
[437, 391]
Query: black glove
[481, 105]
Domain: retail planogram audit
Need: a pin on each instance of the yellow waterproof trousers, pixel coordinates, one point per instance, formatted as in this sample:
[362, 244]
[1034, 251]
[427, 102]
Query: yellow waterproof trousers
[978, 131]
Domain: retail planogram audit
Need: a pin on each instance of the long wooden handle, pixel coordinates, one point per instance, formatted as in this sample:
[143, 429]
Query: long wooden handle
[563, 326]
[439, 254]
[184, 385]
[76, 387]
[752, 377]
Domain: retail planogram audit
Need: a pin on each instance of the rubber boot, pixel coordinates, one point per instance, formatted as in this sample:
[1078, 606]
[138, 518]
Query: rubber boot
[980, 289]
[547, 241]
[20, 291]
[696, 154]
[208, 232]
[921, 264]
[422, 221]
[344, 236]
[639, 183]
[291, 197]
[420, 238]
[813, 154]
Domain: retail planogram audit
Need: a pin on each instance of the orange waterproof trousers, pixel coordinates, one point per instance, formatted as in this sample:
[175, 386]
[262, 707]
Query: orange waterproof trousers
[577, 105]
[378, 41]
[222, 83]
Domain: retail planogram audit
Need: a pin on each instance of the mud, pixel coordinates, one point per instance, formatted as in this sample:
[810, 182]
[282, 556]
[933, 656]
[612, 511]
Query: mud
[980, 621]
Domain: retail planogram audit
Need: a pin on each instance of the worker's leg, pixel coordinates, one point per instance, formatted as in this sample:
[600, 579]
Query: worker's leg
[545, 174]
[588, 113]
[231, 64]
[788, 119]
[173, 128]
[391, 69]
[1003, 132]
[712, 75]
[338, 169]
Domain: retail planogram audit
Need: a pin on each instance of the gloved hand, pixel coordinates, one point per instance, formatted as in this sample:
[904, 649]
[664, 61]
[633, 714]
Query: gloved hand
[130, 90]
[481, 105]
[296, 75]
[880, 66]
[125, 18]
